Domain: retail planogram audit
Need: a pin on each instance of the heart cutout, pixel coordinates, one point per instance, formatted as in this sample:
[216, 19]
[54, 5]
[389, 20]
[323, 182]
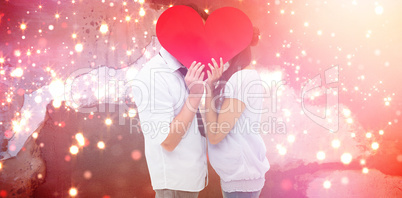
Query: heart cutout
[181, 31]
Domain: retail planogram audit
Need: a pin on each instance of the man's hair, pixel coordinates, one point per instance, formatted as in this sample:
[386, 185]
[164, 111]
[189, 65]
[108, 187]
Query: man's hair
[201, 12]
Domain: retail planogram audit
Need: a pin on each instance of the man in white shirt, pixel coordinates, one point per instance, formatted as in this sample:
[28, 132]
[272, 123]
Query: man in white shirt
[175, 150]
[167, 97]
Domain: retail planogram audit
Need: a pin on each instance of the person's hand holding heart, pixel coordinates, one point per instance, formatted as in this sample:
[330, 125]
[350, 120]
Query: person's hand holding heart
[182, 32]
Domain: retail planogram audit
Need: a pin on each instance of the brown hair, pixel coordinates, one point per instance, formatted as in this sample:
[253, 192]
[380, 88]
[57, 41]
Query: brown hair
[201, 12]
[237, 63]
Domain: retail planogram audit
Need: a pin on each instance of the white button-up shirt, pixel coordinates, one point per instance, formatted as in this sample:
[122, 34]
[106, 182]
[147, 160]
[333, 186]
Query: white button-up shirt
[160, 93]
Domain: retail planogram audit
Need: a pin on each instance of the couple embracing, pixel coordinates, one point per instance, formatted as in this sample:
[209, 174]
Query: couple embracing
[168, 97]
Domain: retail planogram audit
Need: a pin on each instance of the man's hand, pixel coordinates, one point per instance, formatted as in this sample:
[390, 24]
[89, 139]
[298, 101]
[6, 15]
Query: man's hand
[194, 79]
[181, 123]
[214, 75]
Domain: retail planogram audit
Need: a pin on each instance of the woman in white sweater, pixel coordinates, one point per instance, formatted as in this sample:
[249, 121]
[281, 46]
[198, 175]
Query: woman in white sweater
[233, 115]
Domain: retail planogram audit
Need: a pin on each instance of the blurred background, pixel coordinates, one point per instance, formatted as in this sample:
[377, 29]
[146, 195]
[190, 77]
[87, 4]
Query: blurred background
[50, 148]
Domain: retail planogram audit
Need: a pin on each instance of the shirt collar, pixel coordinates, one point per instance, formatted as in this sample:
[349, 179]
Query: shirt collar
[171, 61]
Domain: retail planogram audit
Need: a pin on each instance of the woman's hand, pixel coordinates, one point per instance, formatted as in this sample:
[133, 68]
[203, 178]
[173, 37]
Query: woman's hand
[194, 79]
[215, 74]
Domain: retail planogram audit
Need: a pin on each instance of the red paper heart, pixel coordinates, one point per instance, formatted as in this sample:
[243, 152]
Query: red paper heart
[181, 31]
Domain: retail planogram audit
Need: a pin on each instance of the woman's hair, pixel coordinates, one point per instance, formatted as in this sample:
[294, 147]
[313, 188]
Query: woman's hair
[239, 62]
[200, 12]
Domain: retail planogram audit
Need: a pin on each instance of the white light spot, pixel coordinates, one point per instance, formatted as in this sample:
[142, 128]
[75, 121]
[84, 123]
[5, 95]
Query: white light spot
[346, 158]
[336, 143]
[327, 184]
[74, 150]
[321, 155]
[104, 28]
[79, 47]
[379, 10]
[101, 145]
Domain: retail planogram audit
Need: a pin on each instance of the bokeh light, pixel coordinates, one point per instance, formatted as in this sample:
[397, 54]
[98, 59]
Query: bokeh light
[73, 192]
[101, 145]
[336, 143]
[23, 26]
[108, 121]
[104, 28]
[346, 158]
[18, 72]
[327, 184]
[320, 155]
[375, 145]
[74, 150]
[79, 47]
[80, 139]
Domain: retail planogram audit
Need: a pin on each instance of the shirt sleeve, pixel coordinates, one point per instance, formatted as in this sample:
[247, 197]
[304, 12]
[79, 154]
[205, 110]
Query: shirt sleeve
[155, 107]
[245, 87]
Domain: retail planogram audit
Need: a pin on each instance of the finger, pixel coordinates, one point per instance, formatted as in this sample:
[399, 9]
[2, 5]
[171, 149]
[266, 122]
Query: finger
[190, 68]
[199, 70]
[221, 68]
[221, 60]
[201, 76]
[192, 65]
[216, 66]
[209, 74]
[217, 70]
[214, 62]
[212, 68]
[192, 71]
